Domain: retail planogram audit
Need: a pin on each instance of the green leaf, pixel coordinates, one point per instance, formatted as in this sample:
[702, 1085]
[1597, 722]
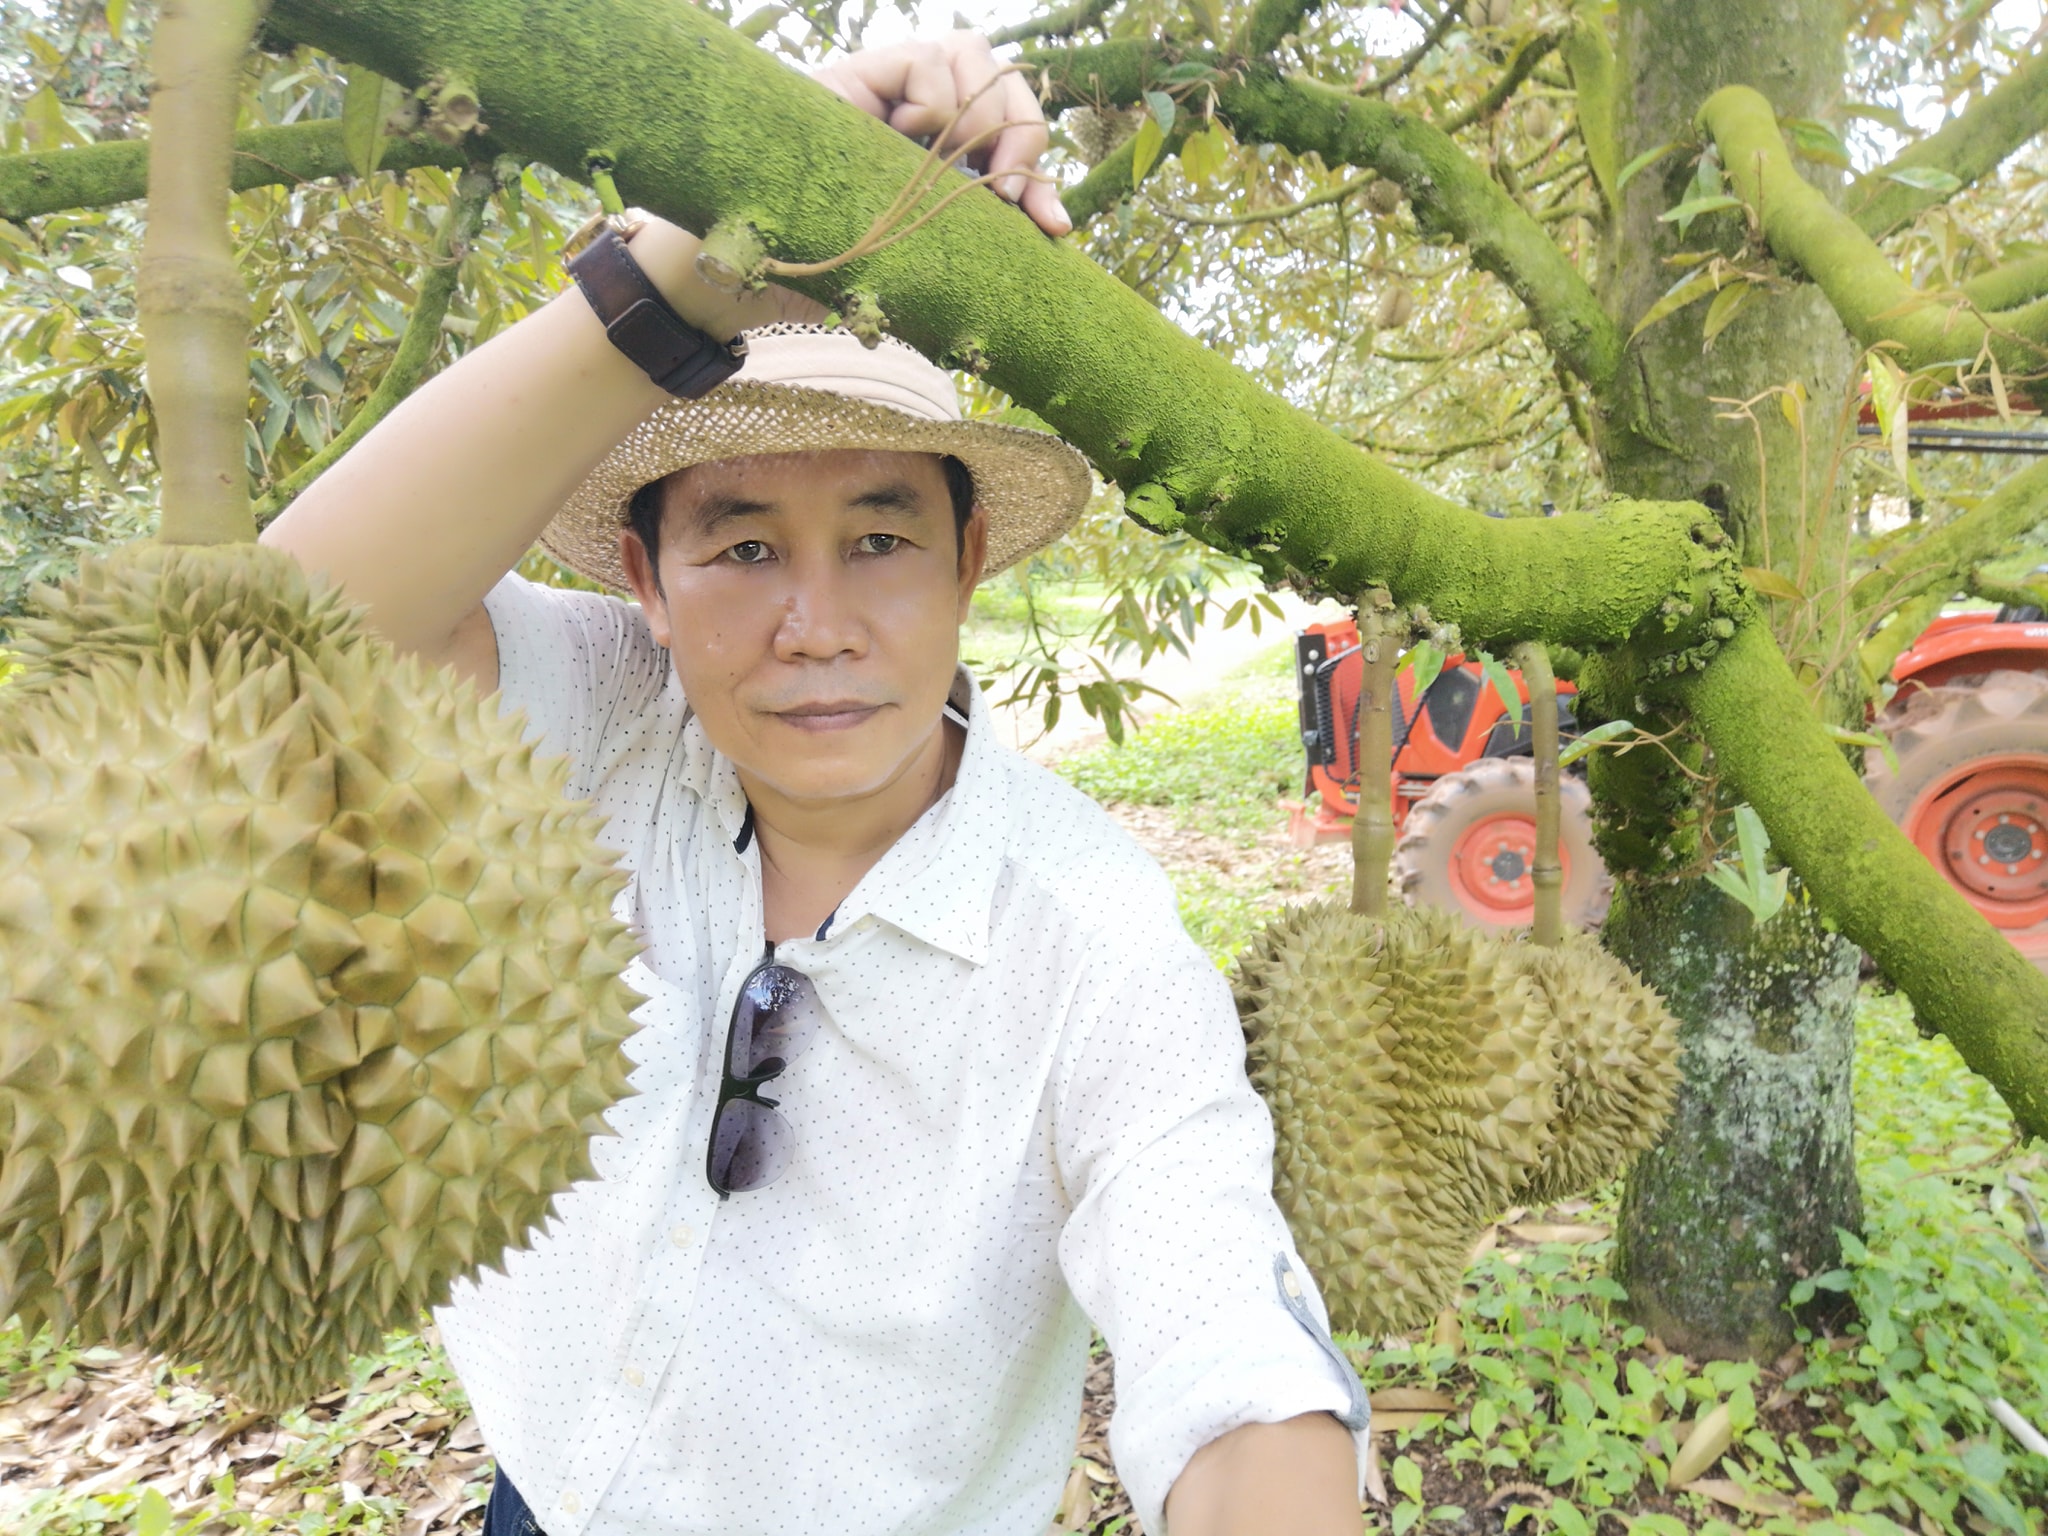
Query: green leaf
[1644, 161]
[1204, 12]
[1726, 306]
[1145, 149]
[1762, 578]
[1888, 403]
[1925, 178]
[1693, 286]
[44, 116]
[363, 112]
[1599, 736]
[1875, 740]
[117, 17]
[152, 1514]
[1503, 686]
[1427, 660]
[1693, 207]
[1205, 154]
[1407, 1477]
[1163, 110]
[1813, 139]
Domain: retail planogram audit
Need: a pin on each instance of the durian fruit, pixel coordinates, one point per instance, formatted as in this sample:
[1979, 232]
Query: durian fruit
[1412, 1077]
[1617, 1048]
[309, 987]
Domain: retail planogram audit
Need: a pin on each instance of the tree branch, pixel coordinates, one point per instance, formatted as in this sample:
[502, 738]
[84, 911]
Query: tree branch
[1449, 192]
[1589, 57]
[1111, 181]
[1961, 973]
[1940, 560]
[1532, 51]
[416, 346]
[1064, 22]
[1320, 199]
[728, 133]
[2010, 286]
[188, 294]
[1272, 20]
[1872, 299]
[101, 175]
[1435, 35]
[1969, 146]
[1877, 653]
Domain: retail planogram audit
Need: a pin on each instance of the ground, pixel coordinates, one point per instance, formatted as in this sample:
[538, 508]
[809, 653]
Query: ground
[1532, 1405]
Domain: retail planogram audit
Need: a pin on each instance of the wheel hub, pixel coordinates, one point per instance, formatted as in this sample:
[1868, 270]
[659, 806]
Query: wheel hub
[1491, 866]
[1986, 829]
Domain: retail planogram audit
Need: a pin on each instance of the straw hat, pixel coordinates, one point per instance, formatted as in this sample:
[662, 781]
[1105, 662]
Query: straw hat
[805, 388]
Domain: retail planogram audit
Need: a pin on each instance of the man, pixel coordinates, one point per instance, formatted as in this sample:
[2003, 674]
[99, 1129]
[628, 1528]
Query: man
[927, 1058]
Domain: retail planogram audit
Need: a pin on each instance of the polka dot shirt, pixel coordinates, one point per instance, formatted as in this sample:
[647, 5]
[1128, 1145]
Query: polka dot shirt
[1026, 1110]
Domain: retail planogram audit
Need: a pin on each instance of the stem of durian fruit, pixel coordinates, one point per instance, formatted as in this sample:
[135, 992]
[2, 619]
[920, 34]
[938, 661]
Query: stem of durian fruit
[1546, 873]
[193, 307]
[1372, 829]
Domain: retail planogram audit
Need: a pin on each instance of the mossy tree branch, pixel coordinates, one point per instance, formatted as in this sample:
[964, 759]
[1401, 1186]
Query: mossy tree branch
[1449, 192]
[1971, 145]
[1940, 561]
[1064, 21]
[1961, 973]
[101, 175]
[2010, 286]
[188, 294]
[1270, 21]
[1877, 653]
[1876, 304]
[416, 344]
[1111, 179]
[704, 128]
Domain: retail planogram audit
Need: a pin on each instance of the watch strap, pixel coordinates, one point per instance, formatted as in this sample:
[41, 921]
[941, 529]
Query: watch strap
[641, 323]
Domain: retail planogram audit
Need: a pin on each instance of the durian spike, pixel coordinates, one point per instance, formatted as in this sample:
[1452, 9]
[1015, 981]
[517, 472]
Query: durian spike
[190, 299]
[1546, 872]
[1372, 829]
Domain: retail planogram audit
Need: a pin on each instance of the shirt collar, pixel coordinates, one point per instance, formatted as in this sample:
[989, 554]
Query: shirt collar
[937, 883]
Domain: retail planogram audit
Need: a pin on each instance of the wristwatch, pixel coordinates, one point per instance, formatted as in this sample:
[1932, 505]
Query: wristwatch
[641, 323]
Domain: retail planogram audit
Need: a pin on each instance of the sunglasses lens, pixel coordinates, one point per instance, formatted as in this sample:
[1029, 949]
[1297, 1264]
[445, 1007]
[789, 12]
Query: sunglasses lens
[749, 1147]
[777, 1014]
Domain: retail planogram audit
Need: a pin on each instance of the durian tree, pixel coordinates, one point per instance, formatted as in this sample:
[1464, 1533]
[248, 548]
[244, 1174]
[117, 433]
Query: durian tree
[1675, 214]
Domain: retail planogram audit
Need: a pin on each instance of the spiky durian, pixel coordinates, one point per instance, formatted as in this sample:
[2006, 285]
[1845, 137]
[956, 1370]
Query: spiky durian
[1412, 1081]
[1618, 1053]
[309, 988]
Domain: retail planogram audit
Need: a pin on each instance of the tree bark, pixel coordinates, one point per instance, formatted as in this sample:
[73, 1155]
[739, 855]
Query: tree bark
[1744, 1194]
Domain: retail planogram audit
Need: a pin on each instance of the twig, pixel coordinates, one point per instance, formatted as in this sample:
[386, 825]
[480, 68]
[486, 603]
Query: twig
[1372, 827]
[1546, 872]
[1262, 215]
[1401, 71]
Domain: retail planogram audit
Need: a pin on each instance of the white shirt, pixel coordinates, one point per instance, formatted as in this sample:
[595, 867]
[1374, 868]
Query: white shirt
[1027, 1109]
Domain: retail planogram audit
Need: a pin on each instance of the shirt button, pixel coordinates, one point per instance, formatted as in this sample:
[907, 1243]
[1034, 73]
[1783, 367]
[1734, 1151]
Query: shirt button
[682, 1234]
[634, 1377]
[570, 1503]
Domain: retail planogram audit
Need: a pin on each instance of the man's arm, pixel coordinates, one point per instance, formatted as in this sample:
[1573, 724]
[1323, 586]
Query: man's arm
[1295, 1478]
[445, 495]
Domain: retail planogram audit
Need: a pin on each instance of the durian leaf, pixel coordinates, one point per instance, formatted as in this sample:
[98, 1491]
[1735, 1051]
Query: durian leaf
[1599, 736]
[1504, 688]
[1428, 661]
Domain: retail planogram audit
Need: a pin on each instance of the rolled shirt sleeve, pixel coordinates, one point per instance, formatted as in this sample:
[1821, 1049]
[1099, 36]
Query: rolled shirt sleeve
[1174, 1246]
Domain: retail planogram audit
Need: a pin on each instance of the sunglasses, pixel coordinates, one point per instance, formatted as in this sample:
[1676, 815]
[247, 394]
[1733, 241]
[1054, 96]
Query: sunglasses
[773, 1019]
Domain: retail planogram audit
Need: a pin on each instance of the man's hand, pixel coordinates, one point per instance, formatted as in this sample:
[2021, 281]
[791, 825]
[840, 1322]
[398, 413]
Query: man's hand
[1295, 1478]
[917, 87]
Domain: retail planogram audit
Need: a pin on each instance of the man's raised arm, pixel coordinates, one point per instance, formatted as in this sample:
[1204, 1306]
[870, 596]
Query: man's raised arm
[443, 497]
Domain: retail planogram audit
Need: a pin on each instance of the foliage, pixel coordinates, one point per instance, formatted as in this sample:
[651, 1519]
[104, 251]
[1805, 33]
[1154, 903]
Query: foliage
[1230, 759]
[1878, 1430]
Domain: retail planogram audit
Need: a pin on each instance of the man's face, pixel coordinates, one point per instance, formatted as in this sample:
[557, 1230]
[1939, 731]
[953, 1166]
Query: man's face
[811, 603]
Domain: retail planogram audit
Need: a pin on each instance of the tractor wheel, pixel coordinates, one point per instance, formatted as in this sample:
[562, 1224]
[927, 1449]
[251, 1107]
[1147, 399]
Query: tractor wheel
[1468, 845]
[1971, 791]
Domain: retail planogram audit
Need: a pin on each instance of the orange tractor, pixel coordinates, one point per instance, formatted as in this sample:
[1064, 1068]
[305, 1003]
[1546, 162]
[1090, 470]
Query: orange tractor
[1968, 727]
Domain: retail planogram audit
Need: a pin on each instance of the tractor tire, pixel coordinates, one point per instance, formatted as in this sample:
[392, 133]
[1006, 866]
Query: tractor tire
[1971, 793]
[1467, 846]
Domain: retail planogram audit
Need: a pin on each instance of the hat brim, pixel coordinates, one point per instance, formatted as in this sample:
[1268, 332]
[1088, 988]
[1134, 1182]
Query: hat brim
[1032, 485]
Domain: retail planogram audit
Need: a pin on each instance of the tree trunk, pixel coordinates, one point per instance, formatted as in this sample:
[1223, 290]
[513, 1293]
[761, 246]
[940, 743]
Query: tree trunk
[1745, 1193]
